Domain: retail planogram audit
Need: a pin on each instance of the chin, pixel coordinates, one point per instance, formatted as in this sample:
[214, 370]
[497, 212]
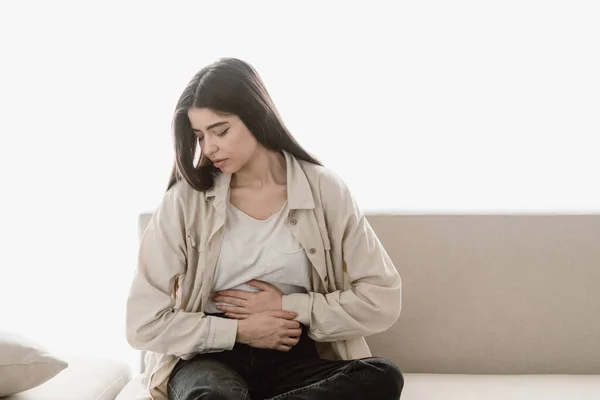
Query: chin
[227, 169]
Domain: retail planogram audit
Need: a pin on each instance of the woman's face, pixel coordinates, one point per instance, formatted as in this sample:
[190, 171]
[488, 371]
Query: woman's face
[224, 138]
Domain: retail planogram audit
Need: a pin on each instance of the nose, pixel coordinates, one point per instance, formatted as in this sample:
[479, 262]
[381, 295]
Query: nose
[208, 146]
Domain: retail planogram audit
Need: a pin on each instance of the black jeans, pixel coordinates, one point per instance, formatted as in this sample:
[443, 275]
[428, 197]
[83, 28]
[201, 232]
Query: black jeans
[251, 373]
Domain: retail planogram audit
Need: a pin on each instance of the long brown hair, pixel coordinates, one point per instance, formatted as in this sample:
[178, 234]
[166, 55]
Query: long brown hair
[229, 86]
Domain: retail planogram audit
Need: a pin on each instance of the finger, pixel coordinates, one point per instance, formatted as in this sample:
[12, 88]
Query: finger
[231, 300]
[290, 341]
[293, 332]
[236, 315]
[283, 347]
[240, 294]
[232, 309]
[283, 314]
[264, 286]
[291, 324]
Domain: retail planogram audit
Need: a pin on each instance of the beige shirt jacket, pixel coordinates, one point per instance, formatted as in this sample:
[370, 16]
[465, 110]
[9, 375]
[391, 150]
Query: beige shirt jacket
[356, 290]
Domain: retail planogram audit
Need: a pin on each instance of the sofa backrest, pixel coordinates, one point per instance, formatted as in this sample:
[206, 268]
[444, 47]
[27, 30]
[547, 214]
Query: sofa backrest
[502, 294]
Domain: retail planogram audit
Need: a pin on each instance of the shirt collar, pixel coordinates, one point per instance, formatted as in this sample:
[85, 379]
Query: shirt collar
[298, 188]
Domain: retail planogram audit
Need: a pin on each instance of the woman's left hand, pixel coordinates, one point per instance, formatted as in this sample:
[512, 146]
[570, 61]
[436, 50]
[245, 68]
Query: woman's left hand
[244, 304]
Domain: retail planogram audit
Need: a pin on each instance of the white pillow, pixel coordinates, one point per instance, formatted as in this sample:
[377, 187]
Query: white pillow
[24, 364]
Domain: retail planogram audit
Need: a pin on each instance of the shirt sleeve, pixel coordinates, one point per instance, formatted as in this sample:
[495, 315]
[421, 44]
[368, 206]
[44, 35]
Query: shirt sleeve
[372, 303]
[153, 322]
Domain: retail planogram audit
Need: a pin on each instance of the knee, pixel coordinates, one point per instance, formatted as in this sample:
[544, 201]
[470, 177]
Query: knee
[206, 380]
[385, 376]
[208, 393]
[212, 394]
[205, 394]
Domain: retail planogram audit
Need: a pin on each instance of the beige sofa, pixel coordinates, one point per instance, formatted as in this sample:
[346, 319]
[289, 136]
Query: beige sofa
[86, 378]
[495, 307]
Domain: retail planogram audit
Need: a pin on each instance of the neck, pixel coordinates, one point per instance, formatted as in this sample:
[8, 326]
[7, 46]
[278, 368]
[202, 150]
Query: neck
[265, 168]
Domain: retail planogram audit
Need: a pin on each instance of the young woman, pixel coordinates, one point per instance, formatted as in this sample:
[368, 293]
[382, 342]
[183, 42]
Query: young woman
[258, 275]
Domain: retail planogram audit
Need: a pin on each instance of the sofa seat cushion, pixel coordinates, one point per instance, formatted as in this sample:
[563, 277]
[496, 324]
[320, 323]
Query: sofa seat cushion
[134, 390]
[469, 387]
[500, 387]
[86, 378]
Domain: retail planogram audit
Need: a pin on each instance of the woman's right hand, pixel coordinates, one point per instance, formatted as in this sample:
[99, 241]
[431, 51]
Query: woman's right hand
[270, 330]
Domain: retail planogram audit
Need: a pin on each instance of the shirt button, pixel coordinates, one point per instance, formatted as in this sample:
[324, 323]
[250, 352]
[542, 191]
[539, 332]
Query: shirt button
[313, 251]
[293, 221]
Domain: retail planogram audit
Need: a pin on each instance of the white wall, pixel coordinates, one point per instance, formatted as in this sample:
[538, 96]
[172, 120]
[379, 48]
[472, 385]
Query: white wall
[463, 106]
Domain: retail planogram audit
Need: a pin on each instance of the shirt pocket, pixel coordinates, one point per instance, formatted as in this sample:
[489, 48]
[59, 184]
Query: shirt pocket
[288, 264]
[196, 239]
[283, 246]
[196, 244]
[285, 249]
[282, 258]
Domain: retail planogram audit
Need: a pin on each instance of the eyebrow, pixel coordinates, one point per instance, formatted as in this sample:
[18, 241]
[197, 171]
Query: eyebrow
[216, 124]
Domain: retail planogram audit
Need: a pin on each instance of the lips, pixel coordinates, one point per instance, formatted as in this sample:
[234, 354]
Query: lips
[219, 163]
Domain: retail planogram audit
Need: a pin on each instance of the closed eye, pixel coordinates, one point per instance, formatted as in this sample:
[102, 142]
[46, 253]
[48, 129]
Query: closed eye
[201, 138]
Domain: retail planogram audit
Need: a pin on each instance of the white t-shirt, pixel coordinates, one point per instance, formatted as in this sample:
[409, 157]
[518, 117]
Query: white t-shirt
[263, 250]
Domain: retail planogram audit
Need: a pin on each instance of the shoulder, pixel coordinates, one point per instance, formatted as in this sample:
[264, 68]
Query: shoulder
[179, 198]
[329, 186]
[324, 176]
[178, 193]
